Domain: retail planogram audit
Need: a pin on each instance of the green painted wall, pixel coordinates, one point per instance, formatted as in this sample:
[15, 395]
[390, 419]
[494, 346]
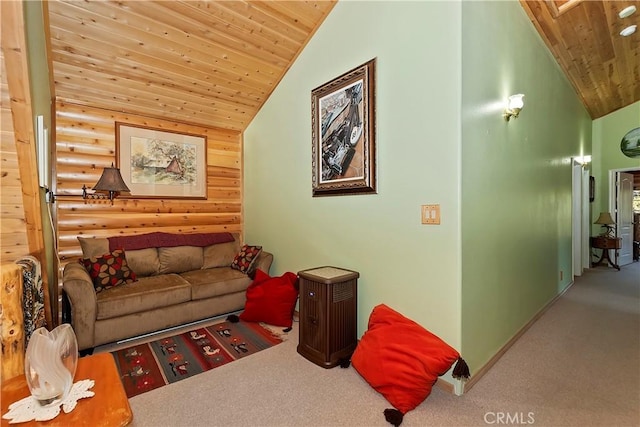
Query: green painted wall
[607, 134]
[38, 66]
[516, 176]
[413, 268]
[41, 106]
[444, 72]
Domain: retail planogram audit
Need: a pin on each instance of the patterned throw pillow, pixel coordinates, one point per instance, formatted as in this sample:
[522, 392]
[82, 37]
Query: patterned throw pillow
[109, 270]
[246, 258]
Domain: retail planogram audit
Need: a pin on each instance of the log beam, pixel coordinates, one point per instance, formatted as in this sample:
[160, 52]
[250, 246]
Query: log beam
[14, 48]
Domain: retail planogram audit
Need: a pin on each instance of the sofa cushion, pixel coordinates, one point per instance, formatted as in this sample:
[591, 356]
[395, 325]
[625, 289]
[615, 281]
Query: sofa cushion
[93, 247]
[214, 282]
[246, 258]
[144, 262]
[271, 299]
[109, 270]
[221, 254]
[179, 259]
[145, 294]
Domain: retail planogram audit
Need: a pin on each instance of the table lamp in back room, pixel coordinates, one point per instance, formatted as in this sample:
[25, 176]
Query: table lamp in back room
[606, 222]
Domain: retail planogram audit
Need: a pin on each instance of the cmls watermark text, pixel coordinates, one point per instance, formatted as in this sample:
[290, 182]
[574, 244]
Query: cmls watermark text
[509, 418]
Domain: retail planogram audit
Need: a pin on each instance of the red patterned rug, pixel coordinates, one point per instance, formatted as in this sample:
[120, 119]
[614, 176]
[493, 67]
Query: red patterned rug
[152, 365]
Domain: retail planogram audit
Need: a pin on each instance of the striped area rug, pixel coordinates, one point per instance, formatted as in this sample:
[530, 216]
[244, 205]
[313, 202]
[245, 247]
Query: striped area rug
[146, 367]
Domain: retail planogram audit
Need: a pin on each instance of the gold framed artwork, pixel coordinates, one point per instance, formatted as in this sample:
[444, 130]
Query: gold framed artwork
[156, 163]
[343, 134]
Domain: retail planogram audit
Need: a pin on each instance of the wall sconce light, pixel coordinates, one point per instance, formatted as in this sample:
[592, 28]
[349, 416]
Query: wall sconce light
[606, 222]
[583, 160]
[515, 104]
[111, 181]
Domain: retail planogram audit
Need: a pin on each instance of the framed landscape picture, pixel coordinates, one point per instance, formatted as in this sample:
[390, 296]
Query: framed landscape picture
[630, 144]
[156, 163]
[343, 134]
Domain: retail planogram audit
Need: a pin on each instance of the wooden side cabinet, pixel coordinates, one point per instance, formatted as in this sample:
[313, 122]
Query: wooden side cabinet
[328, 315]
[606, 244]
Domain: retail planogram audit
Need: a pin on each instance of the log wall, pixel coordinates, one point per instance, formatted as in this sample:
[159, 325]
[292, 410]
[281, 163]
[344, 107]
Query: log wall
[85, 144]
[11, 321]
[13, 230]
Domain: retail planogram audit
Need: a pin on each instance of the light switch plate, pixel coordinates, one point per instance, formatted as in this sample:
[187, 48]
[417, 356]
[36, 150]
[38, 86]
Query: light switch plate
[431, 214]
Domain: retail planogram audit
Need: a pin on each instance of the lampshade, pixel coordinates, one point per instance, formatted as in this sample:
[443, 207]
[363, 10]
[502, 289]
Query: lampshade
[605, 219]
[111, 181]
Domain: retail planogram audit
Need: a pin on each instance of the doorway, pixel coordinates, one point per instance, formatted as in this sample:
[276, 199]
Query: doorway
[621, 187]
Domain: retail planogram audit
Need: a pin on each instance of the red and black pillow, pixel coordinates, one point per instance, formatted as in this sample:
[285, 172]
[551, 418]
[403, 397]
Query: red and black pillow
[109, 270]
[246, 258]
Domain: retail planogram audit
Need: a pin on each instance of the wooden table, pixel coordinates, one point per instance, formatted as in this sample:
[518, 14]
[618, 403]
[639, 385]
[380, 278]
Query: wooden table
[109, 406]
[607, 243]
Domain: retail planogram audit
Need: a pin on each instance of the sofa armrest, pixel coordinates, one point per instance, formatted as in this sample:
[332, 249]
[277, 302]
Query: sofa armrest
[263, 262]
[77, 284]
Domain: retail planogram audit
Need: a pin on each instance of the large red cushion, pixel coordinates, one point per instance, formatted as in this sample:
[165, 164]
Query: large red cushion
[271, 299]
[400, 359]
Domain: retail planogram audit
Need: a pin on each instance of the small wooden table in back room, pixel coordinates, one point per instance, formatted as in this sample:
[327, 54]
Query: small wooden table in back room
[108, 407]
[607, 243]
[328, 315]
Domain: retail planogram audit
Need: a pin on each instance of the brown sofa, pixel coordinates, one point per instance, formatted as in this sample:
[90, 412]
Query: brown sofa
[175, 285]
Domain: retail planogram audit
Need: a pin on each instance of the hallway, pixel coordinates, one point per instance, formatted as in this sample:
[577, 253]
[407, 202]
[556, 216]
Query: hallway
[579, 364]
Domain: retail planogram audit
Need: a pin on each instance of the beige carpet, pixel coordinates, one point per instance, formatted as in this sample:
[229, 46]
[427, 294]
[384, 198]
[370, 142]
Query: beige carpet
[579, 365]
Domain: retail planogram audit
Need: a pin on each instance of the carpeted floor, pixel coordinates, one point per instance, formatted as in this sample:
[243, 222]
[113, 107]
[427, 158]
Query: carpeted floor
[578, 365]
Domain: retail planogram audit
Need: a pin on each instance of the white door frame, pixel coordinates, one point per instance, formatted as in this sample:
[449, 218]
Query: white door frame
[576, 218]
[613, 189]
[579, 218]
[586, 219]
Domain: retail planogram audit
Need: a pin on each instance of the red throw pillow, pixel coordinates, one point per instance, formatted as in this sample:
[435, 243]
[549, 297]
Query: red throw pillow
[402, 360]
[109, 270]
[271, 299]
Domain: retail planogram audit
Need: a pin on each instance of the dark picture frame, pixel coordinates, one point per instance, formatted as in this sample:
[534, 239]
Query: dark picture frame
[343, 134]
[630, 143]
[158, 163]
[592, 189]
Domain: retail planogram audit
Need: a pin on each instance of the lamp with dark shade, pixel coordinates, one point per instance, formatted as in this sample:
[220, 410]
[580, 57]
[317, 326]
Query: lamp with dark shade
[607, 222]
[111, 181]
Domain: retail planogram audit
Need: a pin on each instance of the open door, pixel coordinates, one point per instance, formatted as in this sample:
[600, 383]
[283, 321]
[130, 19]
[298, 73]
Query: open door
[624, 216]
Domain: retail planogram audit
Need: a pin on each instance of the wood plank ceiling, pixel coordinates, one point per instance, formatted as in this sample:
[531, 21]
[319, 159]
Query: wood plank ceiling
[584, 36]
[215, 63]
[212, 63]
